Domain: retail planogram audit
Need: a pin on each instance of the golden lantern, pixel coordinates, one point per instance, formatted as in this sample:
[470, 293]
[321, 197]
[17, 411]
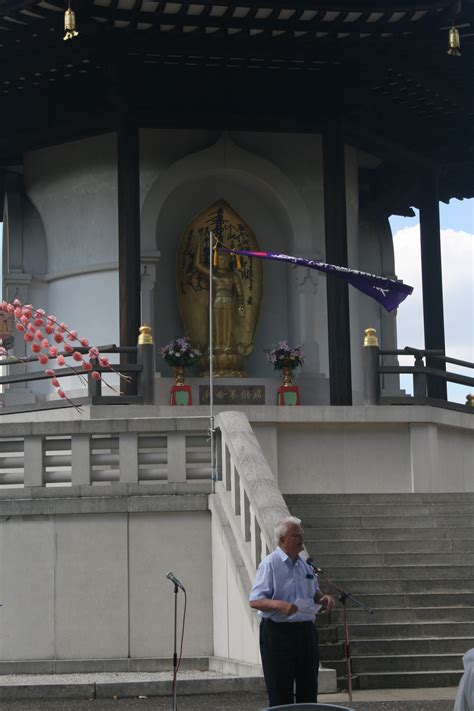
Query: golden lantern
[454, 42]
[70, 26]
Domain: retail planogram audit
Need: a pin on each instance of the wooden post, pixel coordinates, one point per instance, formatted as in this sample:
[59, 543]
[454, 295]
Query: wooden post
[129, 237]
[94, 387]
[419, 379]
[431, 272]
[146, 357]
[371, 368]
[334, 170]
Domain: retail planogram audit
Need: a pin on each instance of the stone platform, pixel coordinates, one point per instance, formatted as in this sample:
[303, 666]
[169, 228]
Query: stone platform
[197, 691]
[109, 685]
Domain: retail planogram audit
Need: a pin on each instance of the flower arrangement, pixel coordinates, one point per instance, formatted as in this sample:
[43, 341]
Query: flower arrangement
[180, 353]
[284, 356]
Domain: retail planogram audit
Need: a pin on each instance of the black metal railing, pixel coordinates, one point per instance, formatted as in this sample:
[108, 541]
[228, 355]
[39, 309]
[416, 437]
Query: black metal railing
[138, 376]
[429, 373]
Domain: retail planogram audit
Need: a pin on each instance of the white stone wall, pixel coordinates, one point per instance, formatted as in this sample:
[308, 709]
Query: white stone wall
[74, 189]
[93, 586]
[84, 568]
[344, 459]
[377, 449]
[235, 637]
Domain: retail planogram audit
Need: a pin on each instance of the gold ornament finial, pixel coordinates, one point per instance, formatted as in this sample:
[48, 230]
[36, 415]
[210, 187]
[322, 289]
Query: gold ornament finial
[470, 400]
[70, 26]
[454, 42]
[144, 335]
[370, 337]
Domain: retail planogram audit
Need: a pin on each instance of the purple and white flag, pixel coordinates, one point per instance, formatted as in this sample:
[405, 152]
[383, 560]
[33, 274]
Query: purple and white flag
[388, 292]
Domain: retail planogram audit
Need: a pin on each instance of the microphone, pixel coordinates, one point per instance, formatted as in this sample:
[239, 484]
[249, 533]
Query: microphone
[312, 565]
[175, 580]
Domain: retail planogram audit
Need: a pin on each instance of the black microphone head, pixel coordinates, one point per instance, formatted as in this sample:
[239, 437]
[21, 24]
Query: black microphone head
[311, 563]
[175, 580]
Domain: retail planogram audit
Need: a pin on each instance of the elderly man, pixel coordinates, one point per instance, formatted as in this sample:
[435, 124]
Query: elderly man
[284, 592]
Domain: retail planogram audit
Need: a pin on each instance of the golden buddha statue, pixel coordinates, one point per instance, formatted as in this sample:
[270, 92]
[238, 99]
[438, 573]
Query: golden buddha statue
[227, 302]
[236, 293]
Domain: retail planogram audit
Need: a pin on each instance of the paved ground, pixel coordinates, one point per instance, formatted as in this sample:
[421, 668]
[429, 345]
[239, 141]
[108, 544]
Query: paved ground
[396, 700]
[99, 692]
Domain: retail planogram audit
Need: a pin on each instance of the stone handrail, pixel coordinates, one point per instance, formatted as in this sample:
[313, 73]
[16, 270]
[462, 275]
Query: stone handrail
[248, 491]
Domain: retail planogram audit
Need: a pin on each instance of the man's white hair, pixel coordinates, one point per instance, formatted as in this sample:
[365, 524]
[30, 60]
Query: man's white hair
[282, 527]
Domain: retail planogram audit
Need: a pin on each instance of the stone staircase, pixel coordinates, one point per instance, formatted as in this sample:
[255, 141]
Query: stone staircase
[408, 557]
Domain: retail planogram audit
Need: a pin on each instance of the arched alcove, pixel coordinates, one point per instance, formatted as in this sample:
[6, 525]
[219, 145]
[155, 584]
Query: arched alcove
[178, 210]
[259, 192]
[226, 160]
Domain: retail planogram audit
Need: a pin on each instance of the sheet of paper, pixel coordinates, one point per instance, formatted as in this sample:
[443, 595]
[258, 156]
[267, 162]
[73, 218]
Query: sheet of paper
[307, 607]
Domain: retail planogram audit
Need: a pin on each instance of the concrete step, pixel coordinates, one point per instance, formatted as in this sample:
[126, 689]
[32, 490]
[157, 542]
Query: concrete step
[339, 666]
[404, 614]
[309, 510]
[441, 533]
[408, 557]
[409, 645]
[414, 600]
[351, 499]
[330, 653]
[379, 585]
[406, 663]
[403, 572]
[401, 630]
[328, 634]
[413, 521]
[409, 680]
[364, 560]
[418, 545]
[121, 685]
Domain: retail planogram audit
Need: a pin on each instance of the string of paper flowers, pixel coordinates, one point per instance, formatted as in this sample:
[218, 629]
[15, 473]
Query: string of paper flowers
[50, 339]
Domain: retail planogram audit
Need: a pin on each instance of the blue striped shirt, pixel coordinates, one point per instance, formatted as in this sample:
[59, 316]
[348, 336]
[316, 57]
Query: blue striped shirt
[278, 578]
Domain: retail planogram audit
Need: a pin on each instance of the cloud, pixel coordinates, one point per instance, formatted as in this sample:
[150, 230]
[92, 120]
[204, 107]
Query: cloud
[458, 214]
[457, 252]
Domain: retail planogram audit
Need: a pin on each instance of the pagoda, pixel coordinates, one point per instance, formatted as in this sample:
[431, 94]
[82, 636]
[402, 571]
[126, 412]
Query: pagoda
[315, 120]
[126, 127]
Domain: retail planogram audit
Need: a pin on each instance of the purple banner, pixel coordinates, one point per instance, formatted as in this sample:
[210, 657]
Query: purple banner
[388, 292]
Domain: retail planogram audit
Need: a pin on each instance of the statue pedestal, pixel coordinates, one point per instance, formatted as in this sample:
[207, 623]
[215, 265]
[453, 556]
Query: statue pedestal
[244, 391]
[227, 391]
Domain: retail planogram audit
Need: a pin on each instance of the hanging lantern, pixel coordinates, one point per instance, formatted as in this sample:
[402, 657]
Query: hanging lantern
[70, 27]
[454, 42]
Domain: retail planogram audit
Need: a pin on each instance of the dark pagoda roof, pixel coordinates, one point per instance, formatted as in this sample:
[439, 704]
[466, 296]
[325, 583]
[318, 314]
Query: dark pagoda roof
[278, 65]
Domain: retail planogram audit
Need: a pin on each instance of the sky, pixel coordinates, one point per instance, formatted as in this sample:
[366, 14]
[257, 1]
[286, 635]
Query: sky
[457, 254]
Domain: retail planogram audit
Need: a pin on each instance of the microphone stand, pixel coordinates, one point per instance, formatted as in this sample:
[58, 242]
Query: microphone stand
[175, 650]
[344, 596]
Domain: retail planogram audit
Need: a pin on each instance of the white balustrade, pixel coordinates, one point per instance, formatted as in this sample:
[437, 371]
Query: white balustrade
[91, 452]
[248, 492]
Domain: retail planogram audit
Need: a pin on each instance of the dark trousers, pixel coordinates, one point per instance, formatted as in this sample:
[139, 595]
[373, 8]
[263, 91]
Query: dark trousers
[290, 658]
